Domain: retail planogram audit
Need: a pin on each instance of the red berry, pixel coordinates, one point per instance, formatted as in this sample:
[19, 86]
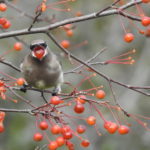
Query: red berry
[39, 52]
[128, 37]
[2, 116]
[3, 7]
[145, 1]
[65, 129]
[60, 141]
[65, 44]
[67, 135]
[85, 143]
[43, 6]
[145, 21]
[79, 108]
[55, 100]
[141, 32]
[123, 129]
[3, 21]
[81, 129]
[20, 81]
[67, 26]
[100, 94]
[6, 25]
[52, 145]
[78, 14]
[43, 125]
[38, 137]
[81, 99]
[71, 148]
[2, 129]
[18, 46]
[91, 120]
[107, 124]
[112, 128]
[2, 83]
[55, 129]
[2, 89]
[69, 33]
[70, 145]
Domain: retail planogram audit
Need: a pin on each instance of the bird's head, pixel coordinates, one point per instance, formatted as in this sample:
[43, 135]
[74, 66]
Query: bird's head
[39, 49]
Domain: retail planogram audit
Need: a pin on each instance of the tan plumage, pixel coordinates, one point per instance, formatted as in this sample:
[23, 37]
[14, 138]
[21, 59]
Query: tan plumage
[43, 73]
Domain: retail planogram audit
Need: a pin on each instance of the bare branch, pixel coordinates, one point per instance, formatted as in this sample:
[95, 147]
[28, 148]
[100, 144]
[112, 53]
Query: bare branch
[94, 69]
[35, 19]
[74, 20]
[10, 65]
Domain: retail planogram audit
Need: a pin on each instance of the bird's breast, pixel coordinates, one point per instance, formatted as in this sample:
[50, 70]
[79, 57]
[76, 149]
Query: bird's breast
[40, 84]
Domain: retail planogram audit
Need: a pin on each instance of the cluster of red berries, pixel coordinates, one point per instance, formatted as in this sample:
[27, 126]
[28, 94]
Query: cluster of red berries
[145, 21]
[112, 127]
[64, 134]
[68, 28]
[129, 37]
[2, 90]
[81, 100]
[79, 106]
[2, 117]
[3, 7]
[5, 24]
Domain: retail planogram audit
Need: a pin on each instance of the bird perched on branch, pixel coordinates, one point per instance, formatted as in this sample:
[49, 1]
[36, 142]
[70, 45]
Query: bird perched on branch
[41, 68]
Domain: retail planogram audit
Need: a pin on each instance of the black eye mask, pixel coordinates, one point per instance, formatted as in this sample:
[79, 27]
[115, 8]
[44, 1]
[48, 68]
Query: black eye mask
[40, 44]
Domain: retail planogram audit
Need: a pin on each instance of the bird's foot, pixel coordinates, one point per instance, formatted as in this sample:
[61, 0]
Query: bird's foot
[24, 88]
[56, 91]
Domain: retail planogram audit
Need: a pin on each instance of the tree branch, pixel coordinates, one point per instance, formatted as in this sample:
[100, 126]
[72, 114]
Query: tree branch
[10, 65]
[94, 69]
[75, 19]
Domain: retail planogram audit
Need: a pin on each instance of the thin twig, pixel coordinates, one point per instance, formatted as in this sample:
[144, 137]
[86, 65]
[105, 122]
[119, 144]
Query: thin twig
[20, 97]
[35, 19]
[42, 95]
[20, 10]
[88, 61]
[114, 97]
[98, 13]
[10, 65]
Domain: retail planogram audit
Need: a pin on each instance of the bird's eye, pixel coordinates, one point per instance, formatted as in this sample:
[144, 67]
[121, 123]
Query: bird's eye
[43, 45]
[32, 47]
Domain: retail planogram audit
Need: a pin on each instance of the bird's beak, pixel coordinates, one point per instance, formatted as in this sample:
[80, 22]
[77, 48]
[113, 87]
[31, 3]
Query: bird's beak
[39, 52]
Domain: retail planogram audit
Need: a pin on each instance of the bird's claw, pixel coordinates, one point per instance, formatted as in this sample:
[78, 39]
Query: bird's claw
[56, 91]
[24, 88]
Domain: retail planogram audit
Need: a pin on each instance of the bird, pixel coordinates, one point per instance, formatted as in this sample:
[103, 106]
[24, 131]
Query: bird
[41, 68]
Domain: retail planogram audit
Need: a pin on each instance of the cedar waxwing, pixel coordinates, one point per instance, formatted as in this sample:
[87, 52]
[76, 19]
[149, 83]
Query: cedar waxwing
[41, 68]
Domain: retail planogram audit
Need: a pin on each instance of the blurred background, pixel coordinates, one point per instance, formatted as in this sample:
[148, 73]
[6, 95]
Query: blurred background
[106, 32]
